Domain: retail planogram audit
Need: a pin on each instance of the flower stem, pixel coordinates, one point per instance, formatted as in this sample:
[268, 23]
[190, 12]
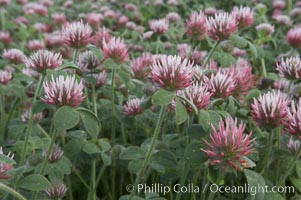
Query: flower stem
[3, 19]
[157, 44]
[48, 152]
[11, 191]
[210, 53]
[268, 152]
[146, 161]
[113, 104]
[75, 53]
[291, 166]
[264, 71]
[30, 122]
[183, 179]
[278, 147]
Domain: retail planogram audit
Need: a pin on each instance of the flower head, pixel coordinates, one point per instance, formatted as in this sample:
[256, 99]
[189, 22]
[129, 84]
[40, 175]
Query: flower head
[293, 125]
[115, 49]
[133, 107]
[5, 76]
[221, 26]
[172, 72]
[63, 91]
[244, 16]
[197, 94]
[35, 8]
[229, 146]
[4, 168]
[59, 18]
[44, 59]
[94, 19]
[222, 84]
[15, 56]
[196, 25]
[55, 155]
[159, 26]
[265, 29]
[57, 191]
[290, 68]
[37, 117]
[101, 35]
[5, 37]
[294, 37]
[87, 61]
[76, 34]
[270, 109]
[35, 45]
[140, 66]
[293, 145]
[173, 16]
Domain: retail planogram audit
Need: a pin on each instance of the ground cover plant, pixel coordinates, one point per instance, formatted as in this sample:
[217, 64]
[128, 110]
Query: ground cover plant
[159, 99]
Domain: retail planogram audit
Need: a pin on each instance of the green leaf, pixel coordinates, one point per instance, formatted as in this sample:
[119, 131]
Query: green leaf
[96, 52]
[39, 106]
[34, 182]
[194, 155]
[132, 153]
[253, 93]
[65, 118]
[135, 165]
[125, 76]
[181, 112]
[23, 77]
[104, 144]
[162, 97]
[6, 160]
[255, 180]
[253, 49]
[238, 41]
[69, 66]
[90, 121]
[91, 148]
[110, 64]
[273, 196]
[106, 159]
[296, 183]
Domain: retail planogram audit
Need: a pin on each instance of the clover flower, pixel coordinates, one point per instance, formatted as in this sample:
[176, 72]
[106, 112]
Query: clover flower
[115, 49]
[63, 91]
[133, 107]
[196, 25]
[76, 34]
[294, 37]
[221, 26]
[172, 72]
[290, 68]
[229, 146]
[197, 94]
[270, 109]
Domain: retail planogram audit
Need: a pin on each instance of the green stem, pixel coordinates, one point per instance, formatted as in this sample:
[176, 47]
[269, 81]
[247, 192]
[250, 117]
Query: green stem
[113, 178]
[94, 101]
[7, 189]
[93, 178]
[48, 152]
[183, 179]
[3, 19]
[264, 71]
[11, 110]
[157, 44]
[289, 86]
[278, 147]
[103, 168]
[81, 179]
[146, 161]
[75, 54]
[113, 104]
[27, 134]
[210, 53]
[268, 152]
[291, 166]
[43, 131]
